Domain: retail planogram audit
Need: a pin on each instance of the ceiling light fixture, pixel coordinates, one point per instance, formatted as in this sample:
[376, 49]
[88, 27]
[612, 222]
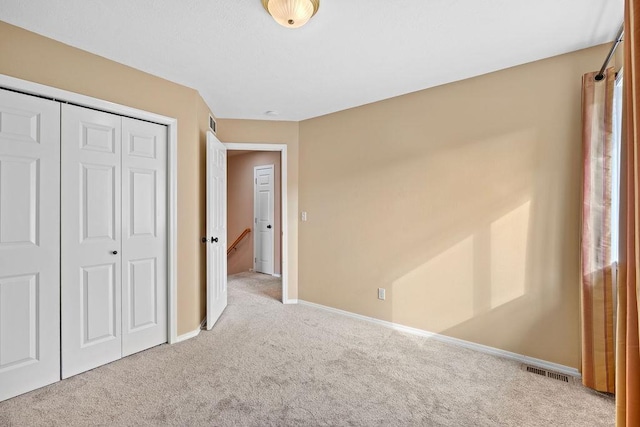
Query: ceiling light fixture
[291, 13]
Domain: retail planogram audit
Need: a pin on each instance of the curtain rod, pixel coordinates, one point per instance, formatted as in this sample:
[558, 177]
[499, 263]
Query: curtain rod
[600, 75]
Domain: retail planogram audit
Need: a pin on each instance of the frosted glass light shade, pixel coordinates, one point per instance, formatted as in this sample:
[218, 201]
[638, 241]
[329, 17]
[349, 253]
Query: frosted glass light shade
[291, 13]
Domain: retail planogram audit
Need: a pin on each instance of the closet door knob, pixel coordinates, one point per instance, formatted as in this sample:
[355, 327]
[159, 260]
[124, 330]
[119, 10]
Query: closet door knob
[214, 239]
[115, 252]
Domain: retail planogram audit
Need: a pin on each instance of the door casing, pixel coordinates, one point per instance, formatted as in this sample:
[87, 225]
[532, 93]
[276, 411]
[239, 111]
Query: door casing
[282, 148]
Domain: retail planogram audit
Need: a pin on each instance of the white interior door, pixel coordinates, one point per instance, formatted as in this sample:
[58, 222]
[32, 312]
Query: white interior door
[144, 235]
[263, 218]
[216, 239]
[91, 240]
[29, 243]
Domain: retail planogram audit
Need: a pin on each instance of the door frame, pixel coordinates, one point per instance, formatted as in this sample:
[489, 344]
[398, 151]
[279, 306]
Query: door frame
[282, 148]
[60, 95]
[273, 214]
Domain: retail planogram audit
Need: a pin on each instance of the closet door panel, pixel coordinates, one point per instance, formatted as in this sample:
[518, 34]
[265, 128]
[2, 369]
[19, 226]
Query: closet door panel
[91, 239]
[29, 243]
[144, 238]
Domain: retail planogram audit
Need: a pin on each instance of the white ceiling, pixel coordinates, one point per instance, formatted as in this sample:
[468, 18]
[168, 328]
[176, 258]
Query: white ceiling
[351, 53]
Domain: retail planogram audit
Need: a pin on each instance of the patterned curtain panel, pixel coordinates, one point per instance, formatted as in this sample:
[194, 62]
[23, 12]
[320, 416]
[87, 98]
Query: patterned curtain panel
[628, 348]
[598, 275]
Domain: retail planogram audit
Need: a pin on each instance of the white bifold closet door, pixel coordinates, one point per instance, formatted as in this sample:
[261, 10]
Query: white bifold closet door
[144, 235]
[29, 243]
[114, 288]
[91, 239]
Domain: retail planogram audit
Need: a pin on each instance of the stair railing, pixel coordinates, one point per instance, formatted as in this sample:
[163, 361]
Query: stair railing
[238, 240]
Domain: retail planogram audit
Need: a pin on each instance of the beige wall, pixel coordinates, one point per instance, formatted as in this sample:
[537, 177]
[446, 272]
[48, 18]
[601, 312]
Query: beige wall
[274, 132]
[463, 201]
[240, 196]
[28, 56]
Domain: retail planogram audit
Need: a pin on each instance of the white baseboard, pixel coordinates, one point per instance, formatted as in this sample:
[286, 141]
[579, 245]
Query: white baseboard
[291, 301]
[188, 335]
[567, 370]
[193, 333]
[277, 275]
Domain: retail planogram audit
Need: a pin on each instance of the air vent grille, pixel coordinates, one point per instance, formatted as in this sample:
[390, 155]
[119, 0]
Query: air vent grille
[212, 124]
[548, 374]
[559, 377]
[536, 371]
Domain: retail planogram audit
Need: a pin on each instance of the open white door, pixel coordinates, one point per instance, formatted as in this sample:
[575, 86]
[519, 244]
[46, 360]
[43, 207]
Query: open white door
[216, 238]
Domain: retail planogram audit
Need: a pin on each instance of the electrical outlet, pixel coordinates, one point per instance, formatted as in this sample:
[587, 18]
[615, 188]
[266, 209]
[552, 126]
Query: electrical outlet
[381, 293]
[303, 216]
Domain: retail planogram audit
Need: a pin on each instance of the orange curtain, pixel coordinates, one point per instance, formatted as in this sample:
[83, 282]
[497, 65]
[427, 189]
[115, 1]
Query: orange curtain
[627, 348]
[598, 289]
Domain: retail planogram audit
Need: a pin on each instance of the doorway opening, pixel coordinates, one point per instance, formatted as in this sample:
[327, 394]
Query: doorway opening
[257, 211]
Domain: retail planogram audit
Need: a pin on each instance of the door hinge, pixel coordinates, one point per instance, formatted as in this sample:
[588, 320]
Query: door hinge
[255, 220]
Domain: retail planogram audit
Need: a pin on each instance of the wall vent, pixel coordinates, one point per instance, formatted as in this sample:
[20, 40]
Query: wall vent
[548, 374]
[212, 124]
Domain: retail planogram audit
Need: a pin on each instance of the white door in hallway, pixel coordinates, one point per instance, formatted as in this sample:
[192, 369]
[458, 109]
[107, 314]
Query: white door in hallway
[216, 238]
[144, 235]
[263, 177]
[29, 243]
[91, 239]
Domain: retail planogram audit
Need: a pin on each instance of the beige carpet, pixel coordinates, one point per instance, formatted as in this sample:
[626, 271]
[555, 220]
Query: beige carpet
[268, 364]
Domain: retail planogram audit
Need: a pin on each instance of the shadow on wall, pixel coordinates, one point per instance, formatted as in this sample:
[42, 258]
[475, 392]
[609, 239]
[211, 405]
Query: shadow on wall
[461, 240]
[481, 272]
[478, 262]
[472, 254]
[462, 201]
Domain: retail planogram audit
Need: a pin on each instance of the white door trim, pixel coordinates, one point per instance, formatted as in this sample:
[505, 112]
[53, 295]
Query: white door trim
[37, 89]
[283, 201]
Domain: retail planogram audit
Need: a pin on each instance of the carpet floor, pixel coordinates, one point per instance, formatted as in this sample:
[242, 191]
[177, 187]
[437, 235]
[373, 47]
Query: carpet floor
[266, 364]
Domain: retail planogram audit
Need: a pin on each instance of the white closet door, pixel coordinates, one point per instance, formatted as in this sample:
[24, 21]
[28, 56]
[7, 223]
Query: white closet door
[91, 241]
[29, 243]
[144, 235]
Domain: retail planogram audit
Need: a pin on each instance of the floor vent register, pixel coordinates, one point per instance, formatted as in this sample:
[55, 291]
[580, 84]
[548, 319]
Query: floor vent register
[548, 374]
